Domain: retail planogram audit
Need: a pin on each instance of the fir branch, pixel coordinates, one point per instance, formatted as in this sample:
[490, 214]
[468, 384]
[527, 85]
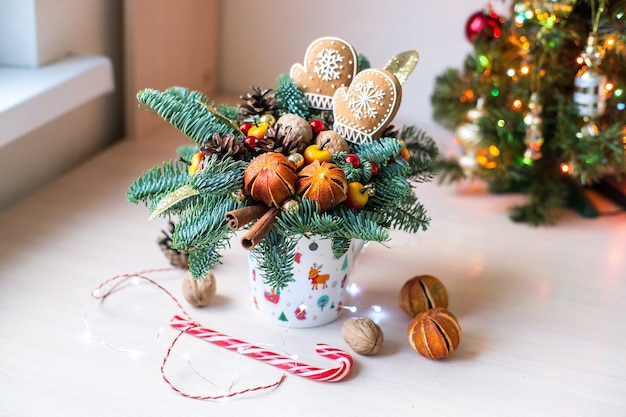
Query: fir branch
[364, 63]
[275, 254]
[389, 191]
[203, 224]
[289, 98]
[424, 152]
[229, 112]
[409, 216]
[307, 220]
[186, 152]
[158, 181]
[449, 170]
[379, 151]
[448, 110]
[203, 259]
[361, 224]
[187, 111]
[219, 176]
[340, 246]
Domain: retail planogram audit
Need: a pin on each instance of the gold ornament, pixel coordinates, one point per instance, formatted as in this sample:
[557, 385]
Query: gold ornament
[290, 205]
[362, 335]
[470, 139]
[267, 118]
[534, 133]
[296, 159]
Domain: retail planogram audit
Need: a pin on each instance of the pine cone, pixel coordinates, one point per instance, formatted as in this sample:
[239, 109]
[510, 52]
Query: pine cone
[283, 140]
[258, 103]
[178, 258]
[227, 145]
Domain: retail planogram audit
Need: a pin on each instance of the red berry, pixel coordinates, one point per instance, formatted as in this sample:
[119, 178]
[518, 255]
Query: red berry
[250, 142]
[353, 160]
[317, 125]
[374, 168]
[245, 127]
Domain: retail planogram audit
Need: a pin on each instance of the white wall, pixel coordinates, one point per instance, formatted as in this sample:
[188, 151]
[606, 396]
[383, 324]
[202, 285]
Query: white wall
[30, 162]
[260, 40]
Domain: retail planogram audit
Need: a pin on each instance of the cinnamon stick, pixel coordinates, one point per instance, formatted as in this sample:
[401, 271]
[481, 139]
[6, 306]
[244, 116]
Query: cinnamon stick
[240, 217]
[261, 228]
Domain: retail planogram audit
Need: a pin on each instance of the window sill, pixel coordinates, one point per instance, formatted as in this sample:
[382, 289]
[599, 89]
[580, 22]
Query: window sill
[30, 98]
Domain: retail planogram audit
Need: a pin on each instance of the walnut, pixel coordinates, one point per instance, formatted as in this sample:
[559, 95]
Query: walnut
[363, 335]
[199, 292]
[298, 127]
[336, 144]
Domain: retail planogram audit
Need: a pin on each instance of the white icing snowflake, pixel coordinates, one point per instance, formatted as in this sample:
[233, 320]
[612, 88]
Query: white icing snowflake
[365, 99]
[327, 65]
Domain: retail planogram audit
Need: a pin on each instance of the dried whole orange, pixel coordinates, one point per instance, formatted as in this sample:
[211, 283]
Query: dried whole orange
[270, 178]
[324, 183]
[434, 334]
[421, 293]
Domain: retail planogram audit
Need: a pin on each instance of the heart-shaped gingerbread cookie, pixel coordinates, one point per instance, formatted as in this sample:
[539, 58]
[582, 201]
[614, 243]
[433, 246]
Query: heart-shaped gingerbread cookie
[329, 63]
[363, 110]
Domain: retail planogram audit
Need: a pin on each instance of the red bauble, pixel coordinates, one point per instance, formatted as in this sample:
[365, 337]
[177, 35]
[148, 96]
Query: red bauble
[483, 23]
[353, 160]
[250, 142]
[317, 126]
[245, 127]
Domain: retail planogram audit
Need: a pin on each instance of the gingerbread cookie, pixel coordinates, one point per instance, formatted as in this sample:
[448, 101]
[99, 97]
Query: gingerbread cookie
[329, 63]
[363, 110]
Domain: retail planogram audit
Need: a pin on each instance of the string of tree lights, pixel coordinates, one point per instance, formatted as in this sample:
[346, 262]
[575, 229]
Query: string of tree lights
[539, 105]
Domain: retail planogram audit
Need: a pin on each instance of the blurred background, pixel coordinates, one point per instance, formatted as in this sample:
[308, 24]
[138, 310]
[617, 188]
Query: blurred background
[69, 69]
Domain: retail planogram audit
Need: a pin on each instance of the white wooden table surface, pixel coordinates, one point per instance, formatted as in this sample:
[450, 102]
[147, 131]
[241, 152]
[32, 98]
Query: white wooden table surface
[542, 310]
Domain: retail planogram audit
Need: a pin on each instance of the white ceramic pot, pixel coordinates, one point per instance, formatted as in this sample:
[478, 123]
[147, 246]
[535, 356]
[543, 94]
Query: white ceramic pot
[316, 296]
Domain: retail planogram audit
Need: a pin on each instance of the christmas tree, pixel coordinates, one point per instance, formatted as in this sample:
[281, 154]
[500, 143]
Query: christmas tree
[539, 106]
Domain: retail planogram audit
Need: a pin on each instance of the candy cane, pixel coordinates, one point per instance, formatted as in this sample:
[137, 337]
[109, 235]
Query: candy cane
[283, 362]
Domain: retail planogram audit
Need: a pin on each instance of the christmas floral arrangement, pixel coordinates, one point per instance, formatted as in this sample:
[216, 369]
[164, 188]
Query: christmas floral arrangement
[316, 155]
[539, 106]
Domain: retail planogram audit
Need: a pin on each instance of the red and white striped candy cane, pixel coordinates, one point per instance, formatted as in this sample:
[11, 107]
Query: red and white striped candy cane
[283, 362]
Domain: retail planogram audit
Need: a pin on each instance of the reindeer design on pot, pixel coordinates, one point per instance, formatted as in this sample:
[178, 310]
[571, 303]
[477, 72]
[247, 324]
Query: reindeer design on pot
[317, 278]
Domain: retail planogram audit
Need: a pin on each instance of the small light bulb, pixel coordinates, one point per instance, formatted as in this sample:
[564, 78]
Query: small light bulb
[353, 289]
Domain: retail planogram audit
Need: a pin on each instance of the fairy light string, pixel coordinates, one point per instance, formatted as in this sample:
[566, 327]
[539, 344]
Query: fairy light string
[186, 325]
[111, 285]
